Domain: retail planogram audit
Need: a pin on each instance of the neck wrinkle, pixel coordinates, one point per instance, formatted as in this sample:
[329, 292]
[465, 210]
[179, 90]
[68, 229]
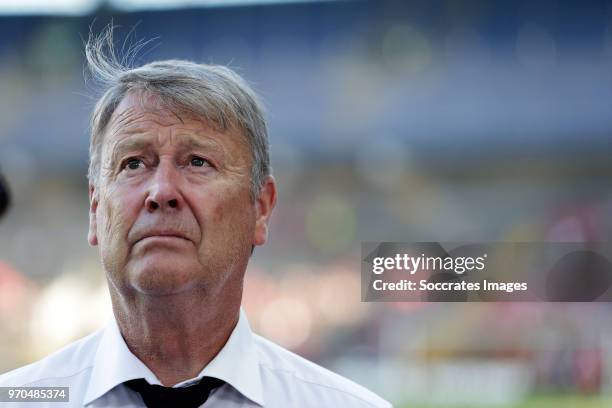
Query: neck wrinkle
[176, 336]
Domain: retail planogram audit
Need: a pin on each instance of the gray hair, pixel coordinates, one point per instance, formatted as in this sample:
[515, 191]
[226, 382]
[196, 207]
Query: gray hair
[213, 92]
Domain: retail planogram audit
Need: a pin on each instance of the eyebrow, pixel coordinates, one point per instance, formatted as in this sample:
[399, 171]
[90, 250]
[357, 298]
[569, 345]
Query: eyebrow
[127, 144]
[142, 141]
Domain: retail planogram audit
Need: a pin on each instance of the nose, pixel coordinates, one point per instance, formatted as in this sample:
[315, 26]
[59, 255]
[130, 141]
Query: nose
[164, 192]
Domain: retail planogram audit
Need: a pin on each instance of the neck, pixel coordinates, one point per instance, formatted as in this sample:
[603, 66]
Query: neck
[175, 336]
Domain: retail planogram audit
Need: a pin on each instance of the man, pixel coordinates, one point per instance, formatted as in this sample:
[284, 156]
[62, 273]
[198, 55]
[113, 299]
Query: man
[180, 194]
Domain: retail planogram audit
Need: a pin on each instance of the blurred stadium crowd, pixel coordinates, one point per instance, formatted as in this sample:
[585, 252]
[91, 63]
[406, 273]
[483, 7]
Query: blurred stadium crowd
[389, 121]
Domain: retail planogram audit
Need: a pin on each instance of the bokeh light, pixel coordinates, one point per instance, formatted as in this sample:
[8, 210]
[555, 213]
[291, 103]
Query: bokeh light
[388, 121]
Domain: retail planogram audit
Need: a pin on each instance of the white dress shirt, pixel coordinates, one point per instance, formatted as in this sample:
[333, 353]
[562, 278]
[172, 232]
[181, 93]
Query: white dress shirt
[257, 372]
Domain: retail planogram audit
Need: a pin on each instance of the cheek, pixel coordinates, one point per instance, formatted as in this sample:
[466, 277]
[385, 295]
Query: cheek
[219, 213]
[103, 214]
[222, 205]
[117, 215]
[230, 211]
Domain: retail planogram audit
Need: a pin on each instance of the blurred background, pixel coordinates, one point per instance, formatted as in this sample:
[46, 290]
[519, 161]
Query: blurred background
[389, 121]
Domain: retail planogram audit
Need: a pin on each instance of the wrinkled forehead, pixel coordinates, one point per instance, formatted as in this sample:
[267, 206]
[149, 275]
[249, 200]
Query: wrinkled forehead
[139, 113]
[138, 109]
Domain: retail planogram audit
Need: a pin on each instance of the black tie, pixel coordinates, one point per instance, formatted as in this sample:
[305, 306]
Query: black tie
[157, 396]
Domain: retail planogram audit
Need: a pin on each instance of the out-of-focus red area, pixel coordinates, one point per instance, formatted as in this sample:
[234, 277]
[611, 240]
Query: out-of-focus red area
[389, 121]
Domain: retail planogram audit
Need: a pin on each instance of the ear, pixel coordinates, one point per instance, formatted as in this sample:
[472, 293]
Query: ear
[92, 235]
[264, 204]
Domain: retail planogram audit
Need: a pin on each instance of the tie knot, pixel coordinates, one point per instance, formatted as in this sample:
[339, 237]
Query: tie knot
[157, 396]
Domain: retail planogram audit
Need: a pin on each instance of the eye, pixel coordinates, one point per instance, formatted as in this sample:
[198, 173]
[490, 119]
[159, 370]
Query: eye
[133, 163]
[198, 162]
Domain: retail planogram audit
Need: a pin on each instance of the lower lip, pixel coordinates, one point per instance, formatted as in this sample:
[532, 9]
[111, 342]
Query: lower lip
[163, 239]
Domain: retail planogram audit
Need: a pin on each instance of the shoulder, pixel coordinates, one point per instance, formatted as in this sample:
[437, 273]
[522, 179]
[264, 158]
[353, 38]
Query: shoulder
[309, 381]
[59, 367]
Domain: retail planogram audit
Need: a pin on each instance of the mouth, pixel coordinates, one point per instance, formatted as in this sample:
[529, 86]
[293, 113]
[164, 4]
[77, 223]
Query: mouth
[163, 236]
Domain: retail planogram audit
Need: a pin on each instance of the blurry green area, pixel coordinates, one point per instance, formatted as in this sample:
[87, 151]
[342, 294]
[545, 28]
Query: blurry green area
[413, 123]
[538, 401]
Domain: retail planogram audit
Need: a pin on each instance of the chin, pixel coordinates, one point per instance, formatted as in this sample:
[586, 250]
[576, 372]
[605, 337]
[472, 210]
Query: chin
[165, 277]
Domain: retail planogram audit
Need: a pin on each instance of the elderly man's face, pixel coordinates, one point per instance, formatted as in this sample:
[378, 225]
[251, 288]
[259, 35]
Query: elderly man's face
[173, 209]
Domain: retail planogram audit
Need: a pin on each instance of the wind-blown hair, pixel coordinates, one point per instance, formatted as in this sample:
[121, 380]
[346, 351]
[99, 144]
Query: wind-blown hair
[212, 92]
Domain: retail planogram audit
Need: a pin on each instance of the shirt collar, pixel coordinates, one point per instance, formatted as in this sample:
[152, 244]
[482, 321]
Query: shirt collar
[236, 364]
